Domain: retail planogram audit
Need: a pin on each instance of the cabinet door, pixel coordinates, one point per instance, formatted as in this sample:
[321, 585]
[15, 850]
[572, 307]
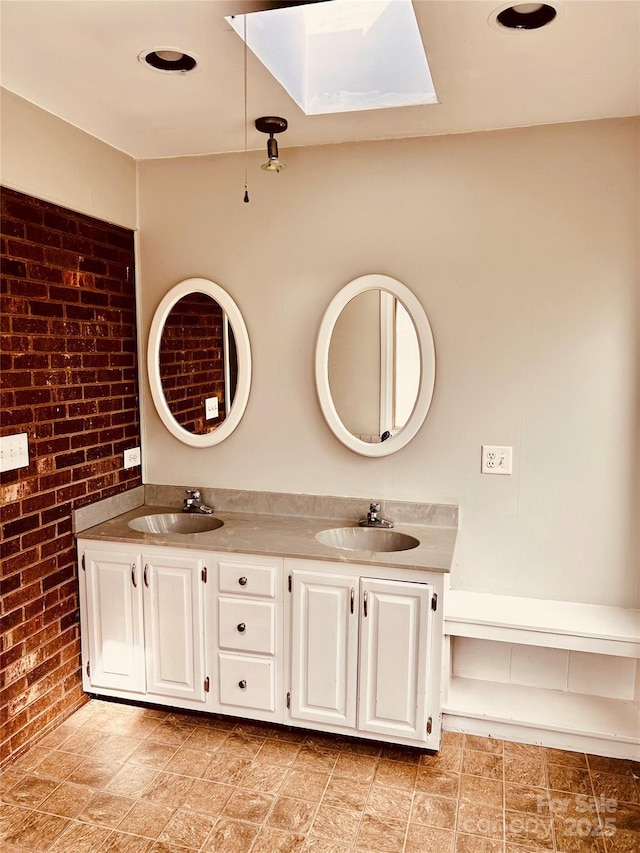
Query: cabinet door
[174, 626]
[394, 646]
[324, 652]
[114, 622]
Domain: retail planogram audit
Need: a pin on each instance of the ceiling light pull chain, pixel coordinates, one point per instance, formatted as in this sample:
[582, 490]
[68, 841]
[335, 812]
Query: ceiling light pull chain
[246, 178]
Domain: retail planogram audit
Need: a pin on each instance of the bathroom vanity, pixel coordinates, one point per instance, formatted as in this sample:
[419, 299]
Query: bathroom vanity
[259, 619]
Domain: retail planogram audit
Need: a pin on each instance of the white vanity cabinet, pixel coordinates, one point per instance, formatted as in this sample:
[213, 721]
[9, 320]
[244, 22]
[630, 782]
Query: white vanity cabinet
[365, 652]
[142, 622]
[333, 646]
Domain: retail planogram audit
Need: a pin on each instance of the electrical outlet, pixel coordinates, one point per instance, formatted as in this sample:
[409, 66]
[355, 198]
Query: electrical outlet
[14, 451]
[131, 457]
[496, 460]
[211, 407]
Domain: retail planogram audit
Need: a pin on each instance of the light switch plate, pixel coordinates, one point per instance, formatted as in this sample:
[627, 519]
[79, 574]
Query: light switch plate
[211, 407]
[14, 451]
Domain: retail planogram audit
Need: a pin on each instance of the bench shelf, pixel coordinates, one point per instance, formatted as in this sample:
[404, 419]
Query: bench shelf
[536, 714]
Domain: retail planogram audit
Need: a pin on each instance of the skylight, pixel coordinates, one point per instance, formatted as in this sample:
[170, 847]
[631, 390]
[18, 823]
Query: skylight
[342, 55]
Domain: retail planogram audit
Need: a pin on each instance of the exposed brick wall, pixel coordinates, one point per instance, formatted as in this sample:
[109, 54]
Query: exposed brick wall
[192, 361]
[69, 380]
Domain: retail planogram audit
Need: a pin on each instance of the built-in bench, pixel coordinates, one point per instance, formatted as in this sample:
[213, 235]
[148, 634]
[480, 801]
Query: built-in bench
[560, 718]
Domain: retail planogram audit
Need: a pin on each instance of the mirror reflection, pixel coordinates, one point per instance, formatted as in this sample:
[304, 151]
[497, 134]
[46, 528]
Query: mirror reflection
[198, 363]
[374, 366]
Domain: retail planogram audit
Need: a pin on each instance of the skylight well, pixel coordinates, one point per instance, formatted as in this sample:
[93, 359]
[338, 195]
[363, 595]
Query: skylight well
[342, 55]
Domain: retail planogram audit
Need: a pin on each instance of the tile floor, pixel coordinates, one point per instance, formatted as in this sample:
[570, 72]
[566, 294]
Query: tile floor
[121, 779]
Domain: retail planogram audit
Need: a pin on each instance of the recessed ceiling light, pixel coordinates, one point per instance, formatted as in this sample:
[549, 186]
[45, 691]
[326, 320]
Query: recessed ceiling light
[168, 59]
[526, 16]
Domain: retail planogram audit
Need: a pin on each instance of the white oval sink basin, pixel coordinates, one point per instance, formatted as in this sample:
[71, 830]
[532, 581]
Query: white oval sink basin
[175, 522]
[367, 539]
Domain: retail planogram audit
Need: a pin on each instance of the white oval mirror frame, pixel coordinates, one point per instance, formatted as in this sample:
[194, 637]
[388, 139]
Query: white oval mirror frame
[427, 360]
[231, 421]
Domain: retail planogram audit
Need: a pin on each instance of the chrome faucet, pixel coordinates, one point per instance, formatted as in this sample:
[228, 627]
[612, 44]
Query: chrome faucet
[194, 504]
[374, 519]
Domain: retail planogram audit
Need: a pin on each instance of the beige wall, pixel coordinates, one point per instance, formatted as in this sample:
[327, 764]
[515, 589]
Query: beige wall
[46, 157]
[522, 247]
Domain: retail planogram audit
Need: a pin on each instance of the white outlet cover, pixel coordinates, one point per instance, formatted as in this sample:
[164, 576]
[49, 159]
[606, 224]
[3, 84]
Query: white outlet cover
[131, 457]
[496, 459]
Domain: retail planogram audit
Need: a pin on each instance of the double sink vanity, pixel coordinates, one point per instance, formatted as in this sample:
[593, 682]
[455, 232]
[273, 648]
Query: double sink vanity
[302, 619]
[278, 607]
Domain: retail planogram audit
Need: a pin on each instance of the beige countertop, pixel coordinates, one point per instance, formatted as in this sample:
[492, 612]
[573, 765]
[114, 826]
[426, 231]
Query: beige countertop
[283, 536]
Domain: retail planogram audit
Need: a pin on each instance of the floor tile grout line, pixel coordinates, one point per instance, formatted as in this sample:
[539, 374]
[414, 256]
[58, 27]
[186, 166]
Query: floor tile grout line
[504, 805]
[548, 792]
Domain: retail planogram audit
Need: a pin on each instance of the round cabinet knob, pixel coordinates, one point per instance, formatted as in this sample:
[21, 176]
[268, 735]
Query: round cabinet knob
[242, 581]
[242, 684]
[242, 627]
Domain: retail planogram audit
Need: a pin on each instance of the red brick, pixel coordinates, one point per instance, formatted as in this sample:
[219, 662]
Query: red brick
[31, 361]
[21, 596]
[17, 418]
[20, 525]
[11, 655]
[29, 251]
[12, 619]
[54, 220]
[38, 635]
[42, 236]
[8, 584]
[59, 510]
[71, 619]
[20, 560]
[11, 228]
[46, 667]
[72, 492]
[17, 379]
[54, 546]
[69, 374]
[37, 537]
[41, 272]
[30, 289]
[69, 393]
[47, 309]
[54, 481]
[60, 258]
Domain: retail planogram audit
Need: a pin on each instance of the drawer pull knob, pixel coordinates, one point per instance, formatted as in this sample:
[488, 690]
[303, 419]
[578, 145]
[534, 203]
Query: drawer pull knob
[242, 627]
[242, 684]
[242, 581]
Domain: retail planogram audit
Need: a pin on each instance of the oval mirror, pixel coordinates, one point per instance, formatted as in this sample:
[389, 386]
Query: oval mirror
[375, 365]
[199, 362]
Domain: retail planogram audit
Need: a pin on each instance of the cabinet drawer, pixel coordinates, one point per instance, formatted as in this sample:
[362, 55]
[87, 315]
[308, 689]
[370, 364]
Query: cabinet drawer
[247, 579]
[247, 626]
[247, 682]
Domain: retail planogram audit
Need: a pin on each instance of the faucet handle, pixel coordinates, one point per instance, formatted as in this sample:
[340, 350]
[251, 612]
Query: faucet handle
[374, 507]
[194, 494]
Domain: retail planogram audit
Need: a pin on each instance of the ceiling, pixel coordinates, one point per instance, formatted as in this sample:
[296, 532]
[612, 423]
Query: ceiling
[78, 60]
